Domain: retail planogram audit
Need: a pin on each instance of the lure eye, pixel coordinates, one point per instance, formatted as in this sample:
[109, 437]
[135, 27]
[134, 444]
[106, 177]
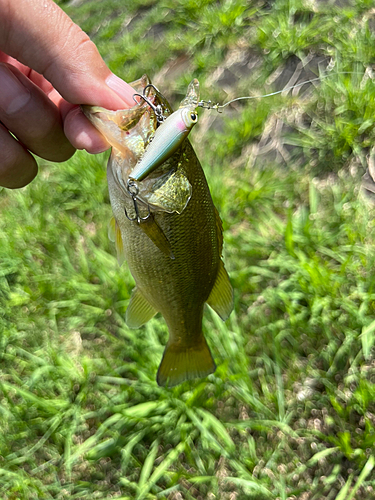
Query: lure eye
[193, 117]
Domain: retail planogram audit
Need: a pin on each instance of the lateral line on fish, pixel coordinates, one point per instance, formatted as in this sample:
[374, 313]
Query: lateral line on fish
[210, 105]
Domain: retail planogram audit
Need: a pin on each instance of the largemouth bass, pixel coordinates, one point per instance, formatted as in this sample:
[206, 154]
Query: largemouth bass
[169, 231]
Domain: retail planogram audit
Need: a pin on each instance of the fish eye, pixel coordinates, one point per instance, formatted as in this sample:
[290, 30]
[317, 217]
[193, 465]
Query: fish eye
[193, 117]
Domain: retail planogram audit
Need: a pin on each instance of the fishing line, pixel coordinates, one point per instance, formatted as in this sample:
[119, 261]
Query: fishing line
[210, 105]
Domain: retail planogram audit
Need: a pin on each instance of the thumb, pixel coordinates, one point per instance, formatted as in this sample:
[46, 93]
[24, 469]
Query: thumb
[40, 35]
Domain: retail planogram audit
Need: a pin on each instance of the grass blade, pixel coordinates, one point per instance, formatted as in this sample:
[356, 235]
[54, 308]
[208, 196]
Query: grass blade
[369, 465]
[161, 469]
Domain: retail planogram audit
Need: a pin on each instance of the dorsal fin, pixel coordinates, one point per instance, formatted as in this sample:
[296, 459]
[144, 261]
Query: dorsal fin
[219, 228]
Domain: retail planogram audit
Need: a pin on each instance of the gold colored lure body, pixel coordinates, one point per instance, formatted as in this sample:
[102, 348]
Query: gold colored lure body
[168, 230]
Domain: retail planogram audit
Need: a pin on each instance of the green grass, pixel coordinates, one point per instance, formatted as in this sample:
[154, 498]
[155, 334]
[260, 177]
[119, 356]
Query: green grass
[290, 411]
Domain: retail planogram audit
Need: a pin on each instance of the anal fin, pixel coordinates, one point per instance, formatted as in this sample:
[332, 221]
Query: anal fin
[139, 310]
[221, 296]
[182, 363]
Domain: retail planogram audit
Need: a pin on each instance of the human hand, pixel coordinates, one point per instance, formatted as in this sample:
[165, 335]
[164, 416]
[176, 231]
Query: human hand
[48, 66]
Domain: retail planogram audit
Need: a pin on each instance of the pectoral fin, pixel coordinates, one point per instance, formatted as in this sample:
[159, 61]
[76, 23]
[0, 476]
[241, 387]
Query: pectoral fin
[139, 310]
[181, 363]
[114, 234]
[112, 230]
[156, 235]
[221, 296]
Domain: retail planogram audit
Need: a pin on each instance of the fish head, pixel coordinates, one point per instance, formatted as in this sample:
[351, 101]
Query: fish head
[130, 131]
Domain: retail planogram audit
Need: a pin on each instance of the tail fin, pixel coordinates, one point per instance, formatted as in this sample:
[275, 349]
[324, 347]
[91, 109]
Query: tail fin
[185, 363]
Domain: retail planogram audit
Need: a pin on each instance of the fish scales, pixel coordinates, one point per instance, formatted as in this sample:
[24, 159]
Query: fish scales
[177, 282]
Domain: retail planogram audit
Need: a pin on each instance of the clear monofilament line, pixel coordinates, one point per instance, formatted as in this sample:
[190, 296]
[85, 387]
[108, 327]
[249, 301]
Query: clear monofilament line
[286, 89]
[218, 107]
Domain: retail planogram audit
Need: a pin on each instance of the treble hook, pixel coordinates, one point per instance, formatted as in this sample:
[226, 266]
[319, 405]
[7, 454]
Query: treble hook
[209, 105]
[133, 191]
[152, 86]
[158, 110]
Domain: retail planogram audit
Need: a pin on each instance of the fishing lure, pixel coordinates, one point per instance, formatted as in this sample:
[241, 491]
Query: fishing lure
[167, 139]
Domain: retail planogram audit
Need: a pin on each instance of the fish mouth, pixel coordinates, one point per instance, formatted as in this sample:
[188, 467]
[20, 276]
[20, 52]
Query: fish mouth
[129, 132]
[122, 126]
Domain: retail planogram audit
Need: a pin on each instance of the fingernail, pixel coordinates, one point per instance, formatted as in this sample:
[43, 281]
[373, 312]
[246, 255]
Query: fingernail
[13, 95]
[122, 89]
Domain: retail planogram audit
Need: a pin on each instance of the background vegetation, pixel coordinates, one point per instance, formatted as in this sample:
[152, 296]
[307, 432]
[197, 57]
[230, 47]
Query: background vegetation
[290, 411]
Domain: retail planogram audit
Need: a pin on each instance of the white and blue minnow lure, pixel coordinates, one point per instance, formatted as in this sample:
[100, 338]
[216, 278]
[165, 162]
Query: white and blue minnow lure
[167, 139]
[169, 135]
